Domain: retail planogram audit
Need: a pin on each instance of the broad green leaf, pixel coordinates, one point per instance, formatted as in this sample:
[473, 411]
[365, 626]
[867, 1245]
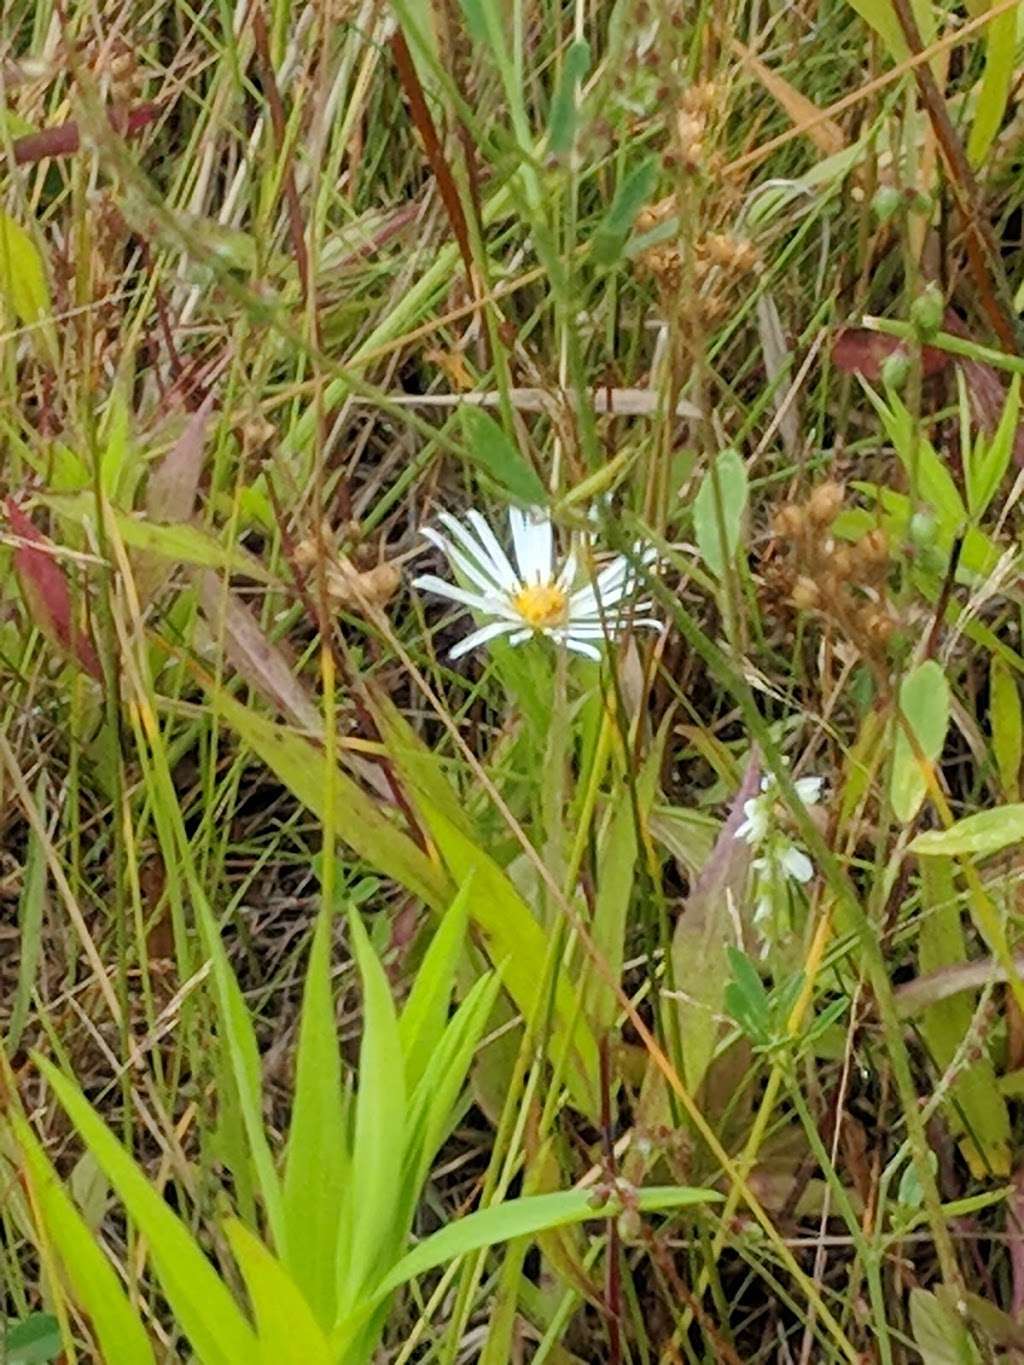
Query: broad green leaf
[22, 273]
[285, 1324]
[243, 1052]
[33, 1341]
[974, 1104]
[632, 193]
[497, 455]
[616, 875]
[317, 1160]
[988, 831]
[358, 819]
[939, 1332]
[380, 1131]
[425, 1013]
[96, 1288]
[994, 91]
[116, 451]
[1006, 725]
[518, 947]
[718, 511]
[924, 707]
[184, 543]
[562, 118]
[199, 1299]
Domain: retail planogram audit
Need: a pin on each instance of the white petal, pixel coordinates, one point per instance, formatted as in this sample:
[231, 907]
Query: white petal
[809, 789]
[485, 551]
[466, 566]
[532, 538]
[493, 606]
[517, 525]
[796, 864]
[542, 548]
[755, 825]
[567, 572]
[480, 637]
[499, 559]
[576, 646]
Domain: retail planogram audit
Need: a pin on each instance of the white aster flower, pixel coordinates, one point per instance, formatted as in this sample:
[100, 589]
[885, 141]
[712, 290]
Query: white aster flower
[536, 597]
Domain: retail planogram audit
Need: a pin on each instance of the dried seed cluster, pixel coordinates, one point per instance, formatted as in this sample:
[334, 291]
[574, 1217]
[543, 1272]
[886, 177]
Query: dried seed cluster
[720, 262]
[844, 583]
[347, 585]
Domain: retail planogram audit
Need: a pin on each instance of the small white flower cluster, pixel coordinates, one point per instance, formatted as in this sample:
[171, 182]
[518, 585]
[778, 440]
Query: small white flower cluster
[538, 596]
[780, 859]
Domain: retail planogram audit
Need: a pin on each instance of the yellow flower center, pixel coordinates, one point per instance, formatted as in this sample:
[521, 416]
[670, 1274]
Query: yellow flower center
[542, 605]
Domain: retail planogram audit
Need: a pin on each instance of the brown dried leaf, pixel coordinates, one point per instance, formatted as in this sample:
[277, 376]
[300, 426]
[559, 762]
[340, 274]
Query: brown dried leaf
[258, 660]
[173, 484]
[858, 351]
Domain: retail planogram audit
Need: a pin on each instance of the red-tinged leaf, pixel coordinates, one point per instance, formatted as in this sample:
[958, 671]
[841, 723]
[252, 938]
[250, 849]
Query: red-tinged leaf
[171, 492]
[45, 590]
[858, 351]
[66, 138]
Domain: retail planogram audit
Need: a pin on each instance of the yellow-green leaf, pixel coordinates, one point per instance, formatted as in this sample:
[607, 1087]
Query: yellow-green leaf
[1005, 717]
[924, 711]
[285, 1326]
[22, 274]
[994, 91]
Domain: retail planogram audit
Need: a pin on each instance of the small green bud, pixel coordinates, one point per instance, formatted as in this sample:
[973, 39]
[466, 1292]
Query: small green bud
[895, 369]
[926, 312]
[922, 529]
[886, 203]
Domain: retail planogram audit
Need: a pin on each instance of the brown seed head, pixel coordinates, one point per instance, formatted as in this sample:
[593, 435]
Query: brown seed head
[789, 521]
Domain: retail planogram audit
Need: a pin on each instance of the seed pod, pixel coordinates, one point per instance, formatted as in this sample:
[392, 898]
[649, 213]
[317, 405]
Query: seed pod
[824, 504]
[805, 594]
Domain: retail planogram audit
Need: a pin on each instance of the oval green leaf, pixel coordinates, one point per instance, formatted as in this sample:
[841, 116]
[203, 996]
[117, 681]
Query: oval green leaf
[924, 704]
[989, 831]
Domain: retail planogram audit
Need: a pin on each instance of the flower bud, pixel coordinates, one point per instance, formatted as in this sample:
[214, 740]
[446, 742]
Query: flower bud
[926, 312]
[895, 369]
[886, 203]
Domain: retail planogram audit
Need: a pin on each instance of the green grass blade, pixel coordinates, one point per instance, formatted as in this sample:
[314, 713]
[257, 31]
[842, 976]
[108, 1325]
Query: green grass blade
[208, 1315]
[31, 904]
[245, 1064]
[526, 1217]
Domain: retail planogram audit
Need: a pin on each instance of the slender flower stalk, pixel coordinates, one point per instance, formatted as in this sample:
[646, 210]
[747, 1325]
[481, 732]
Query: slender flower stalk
[531, 593]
